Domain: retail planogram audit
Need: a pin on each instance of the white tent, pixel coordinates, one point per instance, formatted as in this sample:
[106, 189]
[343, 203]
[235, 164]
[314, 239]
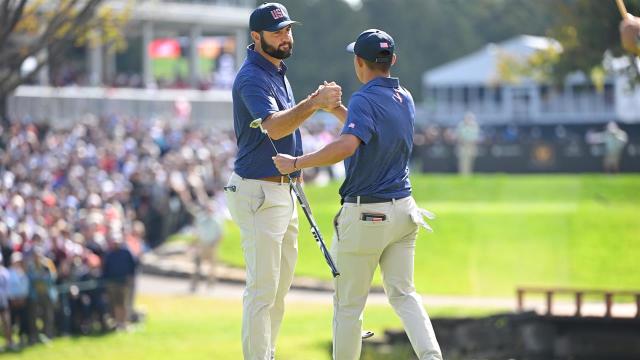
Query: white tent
[480, 67]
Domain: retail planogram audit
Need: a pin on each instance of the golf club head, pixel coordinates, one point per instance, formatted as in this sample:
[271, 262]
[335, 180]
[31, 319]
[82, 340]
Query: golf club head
[367, 334]
[257, 123]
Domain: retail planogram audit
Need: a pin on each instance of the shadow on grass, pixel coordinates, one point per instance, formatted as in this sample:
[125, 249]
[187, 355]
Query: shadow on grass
[387, 352]
[384, 352]
[44, 343]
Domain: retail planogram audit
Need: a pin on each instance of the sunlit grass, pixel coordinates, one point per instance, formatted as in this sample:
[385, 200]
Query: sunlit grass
[181, 327]
[495, 232]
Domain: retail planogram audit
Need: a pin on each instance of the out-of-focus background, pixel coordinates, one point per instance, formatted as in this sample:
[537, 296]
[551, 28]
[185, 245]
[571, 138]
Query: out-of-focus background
[117, 138]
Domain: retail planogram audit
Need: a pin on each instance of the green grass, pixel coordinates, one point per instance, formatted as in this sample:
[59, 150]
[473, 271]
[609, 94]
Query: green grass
[495, 232]
[199, 328]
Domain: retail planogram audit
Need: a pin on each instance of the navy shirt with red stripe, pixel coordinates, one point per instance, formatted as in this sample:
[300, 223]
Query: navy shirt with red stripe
[259, 90]
[381, 114]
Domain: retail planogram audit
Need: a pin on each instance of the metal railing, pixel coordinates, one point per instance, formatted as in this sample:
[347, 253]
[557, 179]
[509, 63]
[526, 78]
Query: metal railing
[62, 107]
[578, 295]
[75, 287]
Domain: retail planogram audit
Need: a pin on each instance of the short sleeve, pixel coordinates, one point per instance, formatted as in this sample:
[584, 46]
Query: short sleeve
[359, 119]
[258, 99]
[412, 105]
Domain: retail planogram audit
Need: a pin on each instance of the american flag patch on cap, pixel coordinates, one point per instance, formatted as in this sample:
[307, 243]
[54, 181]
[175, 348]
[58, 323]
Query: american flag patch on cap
[384, 45]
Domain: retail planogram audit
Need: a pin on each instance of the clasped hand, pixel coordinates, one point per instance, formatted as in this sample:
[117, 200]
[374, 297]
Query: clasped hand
[284, 163]
[328, 96]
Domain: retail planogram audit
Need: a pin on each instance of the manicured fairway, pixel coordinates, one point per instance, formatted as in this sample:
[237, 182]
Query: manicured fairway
[198, 328]
[494, 232]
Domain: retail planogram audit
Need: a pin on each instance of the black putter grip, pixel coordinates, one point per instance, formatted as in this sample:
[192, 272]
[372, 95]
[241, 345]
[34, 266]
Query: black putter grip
[325, 252]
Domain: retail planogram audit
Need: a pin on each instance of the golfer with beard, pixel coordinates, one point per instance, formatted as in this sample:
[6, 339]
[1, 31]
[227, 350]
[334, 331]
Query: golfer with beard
[258, 196]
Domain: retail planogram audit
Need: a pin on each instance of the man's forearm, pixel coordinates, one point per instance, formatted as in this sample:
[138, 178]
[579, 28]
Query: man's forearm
[341, 113]
[328, 155]
[285, 122]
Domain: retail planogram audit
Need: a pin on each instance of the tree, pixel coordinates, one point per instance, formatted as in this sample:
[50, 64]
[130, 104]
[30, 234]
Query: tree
[588, 32]
[43, 30]
[427, 33]
[319, 49]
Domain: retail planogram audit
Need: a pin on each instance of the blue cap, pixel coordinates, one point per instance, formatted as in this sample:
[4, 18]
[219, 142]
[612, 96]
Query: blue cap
[270, 17]
[373, 45]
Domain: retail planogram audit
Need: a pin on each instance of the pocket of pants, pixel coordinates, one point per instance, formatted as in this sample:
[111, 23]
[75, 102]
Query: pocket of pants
[363, 236]
[243, 198]
[336, 224]
[258, 200]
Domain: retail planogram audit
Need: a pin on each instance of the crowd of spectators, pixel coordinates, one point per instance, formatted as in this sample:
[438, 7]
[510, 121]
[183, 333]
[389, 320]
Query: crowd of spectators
[529, 147]
[74, 73]
[80, 205]
[69, 76]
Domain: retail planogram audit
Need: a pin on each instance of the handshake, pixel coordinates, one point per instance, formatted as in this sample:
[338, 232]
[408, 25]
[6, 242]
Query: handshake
[327, 97]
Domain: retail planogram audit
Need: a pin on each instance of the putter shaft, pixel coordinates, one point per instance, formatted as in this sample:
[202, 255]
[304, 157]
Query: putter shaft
[315, 231]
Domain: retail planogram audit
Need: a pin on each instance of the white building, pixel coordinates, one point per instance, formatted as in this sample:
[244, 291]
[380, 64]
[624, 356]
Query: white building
[473, 83]
[150, 20]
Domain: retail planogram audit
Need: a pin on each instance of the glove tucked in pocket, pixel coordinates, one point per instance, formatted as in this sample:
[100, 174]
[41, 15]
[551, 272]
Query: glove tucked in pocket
[418, 215]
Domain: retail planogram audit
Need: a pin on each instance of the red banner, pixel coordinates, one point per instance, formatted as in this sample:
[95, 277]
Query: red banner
[164, 49]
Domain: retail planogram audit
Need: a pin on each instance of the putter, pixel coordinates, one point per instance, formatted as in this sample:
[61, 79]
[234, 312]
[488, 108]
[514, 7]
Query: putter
[302, 200]
[367, 334]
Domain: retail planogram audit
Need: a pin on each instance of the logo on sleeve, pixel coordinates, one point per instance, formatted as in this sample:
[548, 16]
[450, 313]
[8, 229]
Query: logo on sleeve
[277, 14]
[351, 126]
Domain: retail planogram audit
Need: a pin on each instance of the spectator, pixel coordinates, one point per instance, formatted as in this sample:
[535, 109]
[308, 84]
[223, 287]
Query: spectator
[5, 245]
[91, 301]
[208, 226]
[134, 242]
[467, 136]
[117, 272]
[5, 313]
[614, 140]
[42, 294]
[18, 288]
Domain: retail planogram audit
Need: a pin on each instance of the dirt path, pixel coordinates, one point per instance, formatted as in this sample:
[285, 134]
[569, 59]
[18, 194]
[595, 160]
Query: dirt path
[168, 286]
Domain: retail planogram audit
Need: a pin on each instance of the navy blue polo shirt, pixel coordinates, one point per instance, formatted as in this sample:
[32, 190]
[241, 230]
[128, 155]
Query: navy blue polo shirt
[381, 114]
[259, 90]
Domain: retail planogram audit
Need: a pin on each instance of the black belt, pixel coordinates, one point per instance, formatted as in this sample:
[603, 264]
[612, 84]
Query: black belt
[367, 199]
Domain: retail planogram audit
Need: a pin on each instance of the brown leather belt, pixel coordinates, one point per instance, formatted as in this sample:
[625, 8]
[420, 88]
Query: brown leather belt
[279, 179]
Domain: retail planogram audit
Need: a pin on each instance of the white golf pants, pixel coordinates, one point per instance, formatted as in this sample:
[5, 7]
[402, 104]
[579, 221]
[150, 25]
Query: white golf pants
[360, 243]
[268, 220]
